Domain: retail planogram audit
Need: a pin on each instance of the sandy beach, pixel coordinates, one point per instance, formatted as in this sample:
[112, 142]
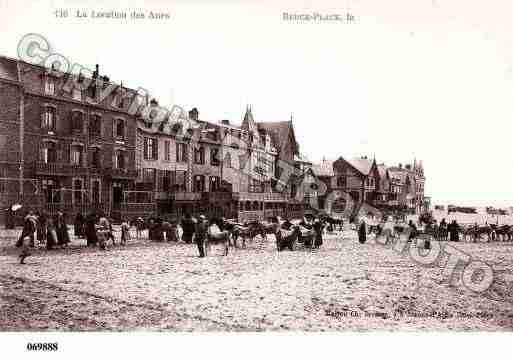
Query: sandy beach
[165, 286]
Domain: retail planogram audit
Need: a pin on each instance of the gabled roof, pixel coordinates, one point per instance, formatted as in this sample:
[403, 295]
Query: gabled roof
[323, 169]
[280, 132]
[383, 171]
[8, 69]
[362, 165]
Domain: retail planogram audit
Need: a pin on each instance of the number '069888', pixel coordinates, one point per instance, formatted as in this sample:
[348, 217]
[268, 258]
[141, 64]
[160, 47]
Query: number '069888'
[42, 346]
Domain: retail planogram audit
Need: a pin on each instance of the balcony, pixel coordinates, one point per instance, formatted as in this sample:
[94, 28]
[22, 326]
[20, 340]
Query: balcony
[215, 197]
[186, 196]
[58, 169]
[260, 196]
[121, 173]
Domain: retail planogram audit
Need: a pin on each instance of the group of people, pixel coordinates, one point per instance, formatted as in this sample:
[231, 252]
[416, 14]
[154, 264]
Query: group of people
[49, 230]
[97, 230]
[441, 231]
[53, 232]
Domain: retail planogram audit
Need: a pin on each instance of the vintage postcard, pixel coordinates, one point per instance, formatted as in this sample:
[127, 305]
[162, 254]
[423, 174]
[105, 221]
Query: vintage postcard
[233, 167]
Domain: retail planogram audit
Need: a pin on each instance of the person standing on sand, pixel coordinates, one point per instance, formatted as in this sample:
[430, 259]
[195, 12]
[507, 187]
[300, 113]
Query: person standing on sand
[125, 232]
[362, 232]
[79, 225]
[201, 234]
[90, 230]
[51, 233]
[188, 227]
[62, 230]
[453, 230]
[318, 227]
[29, 229]
[41, 228]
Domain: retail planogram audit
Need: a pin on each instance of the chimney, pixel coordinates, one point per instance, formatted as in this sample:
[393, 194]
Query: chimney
[96, 72]
[194, 114]
[400, 165]
[225, 122]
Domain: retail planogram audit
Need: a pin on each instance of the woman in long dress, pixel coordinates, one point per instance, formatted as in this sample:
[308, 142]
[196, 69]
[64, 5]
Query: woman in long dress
[79, 225]
[125, 232]
[51, 233]
[62, 230]
[42, 228]
[362, 232]
[90, 230]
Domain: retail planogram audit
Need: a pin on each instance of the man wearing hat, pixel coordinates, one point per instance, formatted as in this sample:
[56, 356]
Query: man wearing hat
[188, 226]
[201, 234]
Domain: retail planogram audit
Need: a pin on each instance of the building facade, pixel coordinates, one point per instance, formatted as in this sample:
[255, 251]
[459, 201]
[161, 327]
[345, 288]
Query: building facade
[221, 169]
[375, 184]
[69, 140]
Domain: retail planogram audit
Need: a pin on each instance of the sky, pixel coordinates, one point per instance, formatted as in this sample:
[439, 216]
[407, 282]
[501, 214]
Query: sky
[424, 79]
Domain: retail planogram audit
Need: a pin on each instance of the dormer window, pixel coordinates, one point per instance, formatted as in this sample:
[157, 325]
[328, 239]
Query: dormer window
[50, 85]
[77, 93]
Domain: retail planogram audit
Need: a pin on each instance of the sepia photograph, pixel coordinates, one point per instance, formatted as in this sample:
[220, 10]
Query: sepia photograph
[210, 170]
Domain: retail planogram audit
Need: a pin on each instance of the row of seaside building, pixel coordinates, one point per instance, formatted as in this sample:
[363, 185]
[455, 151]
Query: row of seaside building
[76, 144]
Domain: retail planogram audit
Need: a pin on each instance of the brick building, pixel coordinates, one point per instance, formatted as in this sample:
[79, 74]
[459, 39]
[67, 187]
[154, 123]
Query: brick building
[221, 169]
[69, 140]
[376, 184]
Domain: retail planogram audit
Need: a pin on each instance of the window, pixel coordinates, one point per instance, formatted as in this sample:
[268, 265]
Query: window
[118, 99]
[256, 186]
[78, 191]
[51, 190]
[49, 152]
[76, 155]
[120, 159]
[77, 118]
[214, 156]
[95, 191]
[49, 119]
[167, 150]
[150, 148]
[263, 166]
[119, 129]
[50, 85]
[95, 126]
[180, 177]
[96, 157]
[199, 183]
[149, 175]
[199, 155]
[341, 181]
[228, 160]
[214, 183]
[166, 181]
[181, 152]
[76, 93]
